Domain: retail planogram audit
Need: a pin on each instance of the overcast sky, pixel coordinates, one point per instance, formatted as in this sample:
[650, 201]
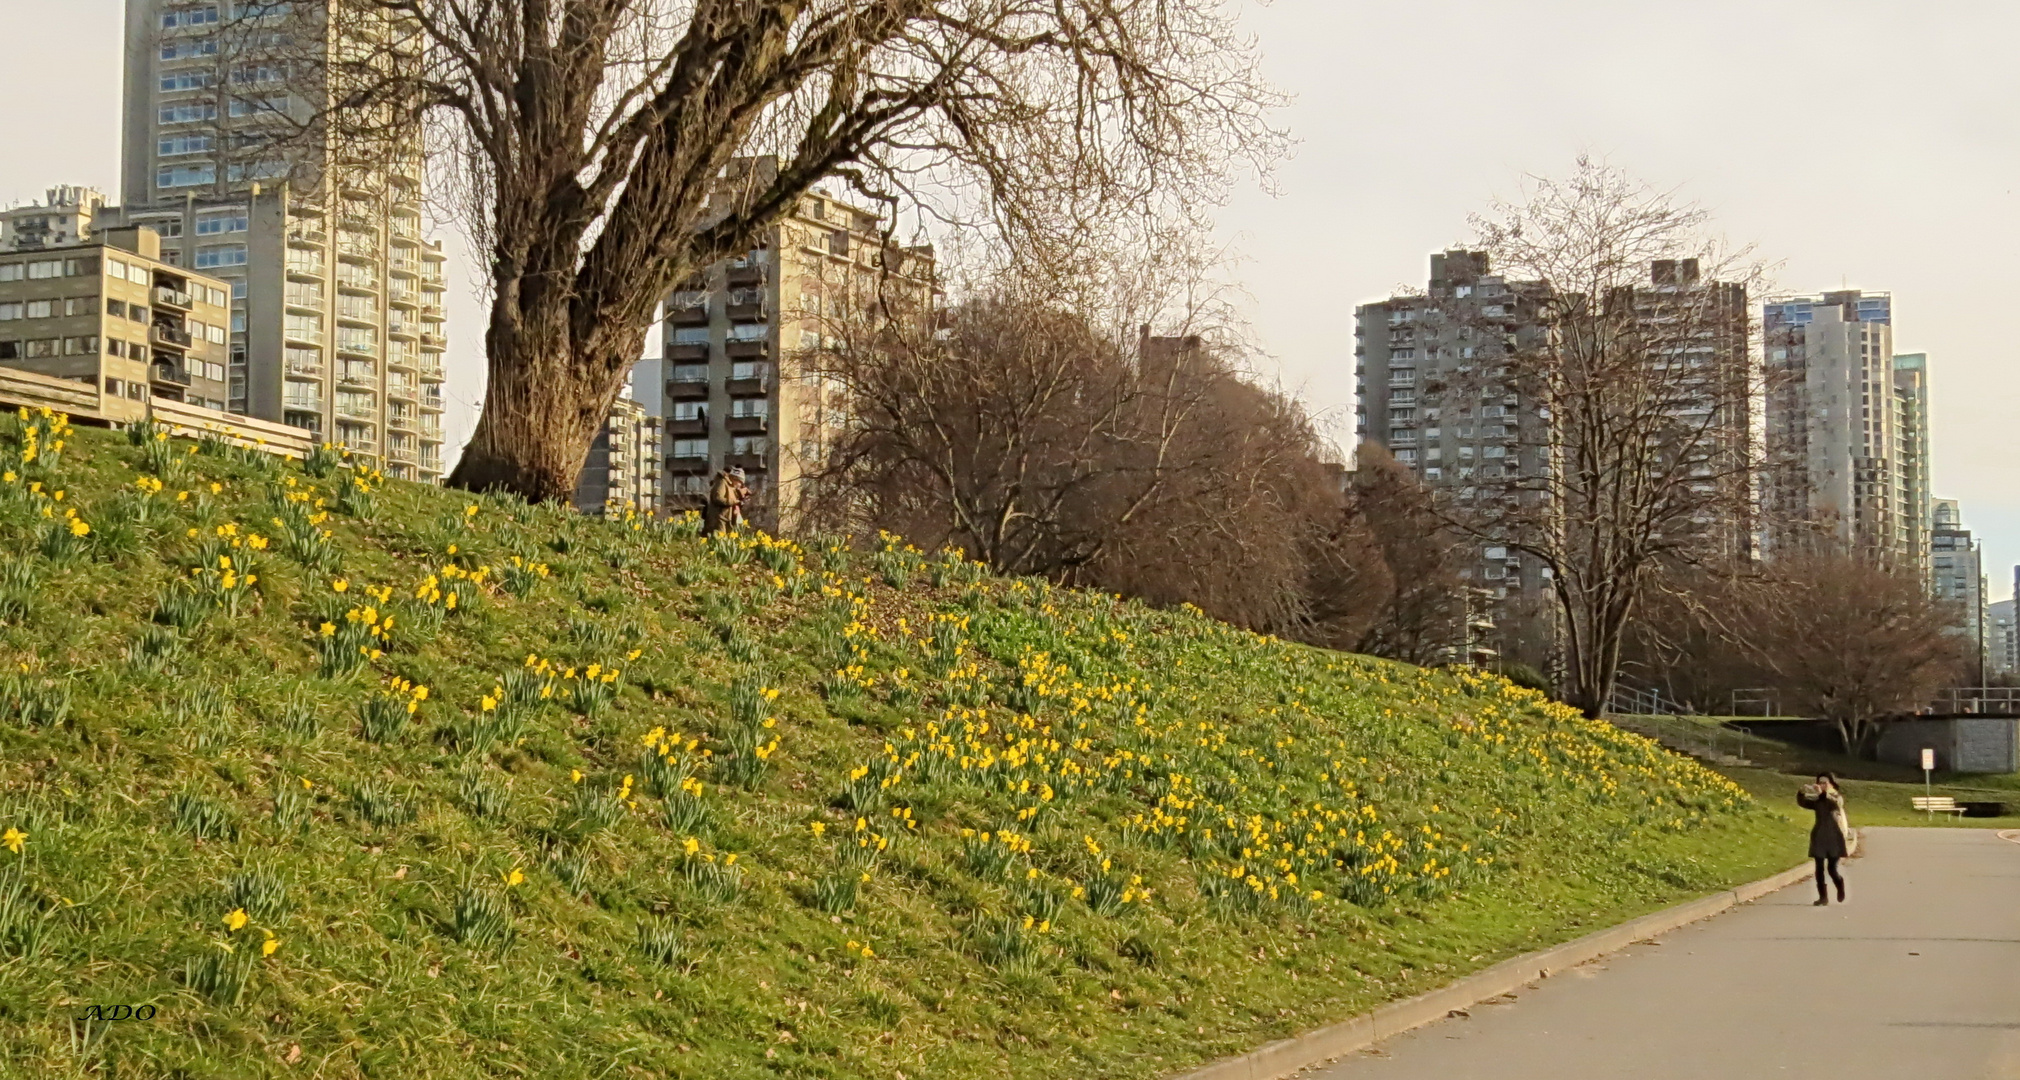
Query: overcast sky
[1860, 144]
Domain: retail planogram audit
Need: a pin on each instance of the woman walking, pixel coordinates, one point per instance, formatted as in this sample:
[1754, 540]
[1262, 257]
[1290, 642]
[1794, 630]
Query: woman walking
[1831, 835]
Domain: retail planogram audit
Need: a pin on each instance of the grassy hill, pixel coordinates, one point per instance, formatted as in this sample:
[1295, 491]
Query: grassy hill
[349, 777]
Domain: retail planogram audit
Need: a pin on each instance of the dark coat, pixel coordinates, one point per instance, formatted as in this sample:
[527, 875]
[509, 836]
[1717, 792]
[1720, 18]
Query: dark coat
[1827, 840]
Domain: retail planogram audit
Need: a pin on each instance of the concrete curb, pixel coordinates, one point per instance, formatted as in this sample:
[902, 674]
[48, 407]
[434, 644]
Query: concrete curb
[1287, 1056]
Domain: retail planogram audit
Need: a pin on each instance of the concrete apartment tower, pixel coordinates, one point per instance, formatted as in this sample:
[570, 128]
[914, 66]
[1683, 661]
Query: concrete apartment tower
[1846, 426]
[622, 471]
[337, 301]
[67, 218]
[107, 312]
[2002, 641]
[731, 389]
[1416, 362]
[1957, 574]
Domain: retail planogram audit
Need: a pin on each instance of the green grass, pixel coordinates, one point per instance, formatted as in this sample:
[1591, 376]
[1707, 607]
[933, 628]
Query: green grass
[350, 778]
[1876, 793]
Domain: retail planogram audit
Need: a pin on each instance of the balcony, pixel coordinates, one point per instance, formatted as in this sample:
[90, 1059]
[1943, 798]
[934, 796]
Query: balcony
[740, 349]
[170, 374]
[307, 335]
[746, 462]
[755, 386]
[303, 365]
[686, 390]
[430, 370]
[747, 425]
[304, 237]
[688, 352]
[431, 398]
[749, 308]
[693, 314]
[687, 466]
[175, 298]
[748, 270]
[407, 266]
[694, 428]
[304, 268]
[301, 404]
[434, 341]
[358, 375]
[169, 337]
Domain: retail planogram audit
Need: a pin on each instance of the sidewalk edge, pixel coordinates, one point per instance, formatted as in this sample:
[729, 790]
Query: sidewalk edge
[1284, 1057]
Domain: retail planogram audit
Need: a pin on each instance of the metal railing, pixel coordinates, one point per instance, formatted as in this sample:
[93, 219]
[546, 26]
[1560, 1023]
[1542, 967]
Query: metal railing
[1978, 701]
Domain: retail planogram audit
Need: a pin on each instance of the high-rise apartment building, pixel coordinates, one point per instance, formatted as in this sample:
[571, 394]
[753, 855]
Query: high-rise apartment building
[337, 300]
[1846, 426]
[1957, 573]
[622, 471]
[1424, 368]
[67, 218]
[110, 313]
[730, 388]
[2002, 640]
[1436, 392]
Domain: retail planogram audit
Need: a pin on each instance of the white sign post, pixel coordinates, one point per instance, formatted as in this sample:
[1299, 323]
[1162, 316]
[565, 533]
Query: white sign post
[1928, 765]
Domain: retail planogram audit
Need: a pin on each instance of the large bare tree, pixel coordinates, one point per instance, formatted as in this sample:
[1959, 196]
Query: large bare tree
[1622, 368]
[605, 150]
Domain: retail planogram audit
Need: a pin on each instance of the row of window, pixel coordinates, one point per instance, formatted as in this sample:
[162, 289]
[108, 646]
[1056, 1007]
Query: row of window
[698, 335]
[45, 269]
[195, 173]
[698, 373]
[741, 408]
[177, 18]
[698, 448]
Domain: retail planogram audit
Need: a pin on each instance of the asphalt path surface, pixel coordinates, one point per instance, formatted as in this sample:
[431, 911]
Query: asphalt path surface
[1916, 978]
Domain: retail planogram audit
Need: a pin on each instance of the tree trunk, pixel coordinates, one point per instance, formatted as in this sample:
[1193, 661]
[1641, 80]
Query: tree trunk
[544, 405]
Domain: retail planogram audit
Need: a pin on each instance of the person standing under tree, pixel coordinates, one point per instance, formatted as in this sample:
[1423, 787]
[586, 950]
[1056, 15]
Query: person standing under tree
[1830, 837]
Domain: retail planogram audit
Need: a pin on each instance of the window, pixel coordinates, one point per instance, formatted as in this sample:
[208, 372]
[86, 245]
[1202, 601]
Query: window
[194, 79]
[747, 369]
[258, 170]
[45, 269]
[9, 312]
[137, 313]
[688, 410]
[196, 172]
[355, 339]
[201, 15]
[689, 373]
[81, 267]
[307, 328]
[215, 255]
[188, 112]
[689, 448]
[36, 350]
[41, 309]
[139, 275]
[81, 305]
[750, 407]
[222, 221]
[691, 335]
[174, 145]
[258, 73]
[277, 104]
[11, 271]
[748, 332]
[749, 444]
[188, 47]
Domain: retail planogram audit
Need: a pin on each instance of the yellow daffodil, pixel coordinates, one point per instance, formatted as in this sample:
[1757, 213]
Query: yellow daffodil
[13, 838]
[268, 946]
[236, 920]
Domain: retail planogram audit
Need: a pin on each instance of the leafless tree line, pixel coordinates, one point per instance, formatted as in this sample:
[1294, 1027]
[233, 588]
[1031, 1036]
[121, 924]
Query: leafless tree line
[602, 151]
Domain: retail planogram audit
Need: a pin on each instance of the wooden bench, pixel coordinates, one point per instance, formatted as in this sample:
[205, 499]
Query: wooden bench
[1937, 804]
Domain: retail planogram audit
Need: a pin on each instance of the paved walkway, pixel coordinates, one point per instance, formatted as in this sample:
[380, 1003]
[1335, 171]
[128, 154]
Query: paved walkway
[1917, 978]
